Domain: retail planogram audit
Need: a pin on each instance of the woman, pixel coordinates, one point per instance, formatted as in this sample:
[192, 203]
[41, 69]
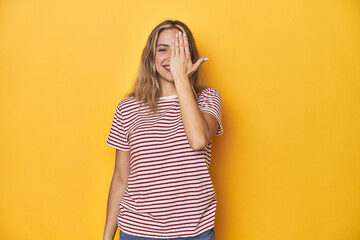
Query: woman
[162, 134]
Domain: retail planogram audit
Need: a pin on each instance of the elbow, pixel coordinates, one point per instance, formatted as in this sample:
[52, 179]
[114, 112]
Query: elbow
[120, 182]
[198, 144]
[120, 179]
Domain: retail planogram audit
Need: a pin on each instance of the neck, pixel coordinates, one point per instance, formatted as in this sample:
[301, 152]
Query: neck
[167, 88]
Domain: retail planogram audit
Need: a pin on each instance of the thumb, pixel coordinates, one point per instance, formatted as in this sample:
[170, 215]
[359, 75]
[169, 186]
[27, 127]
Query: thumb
[198, 62]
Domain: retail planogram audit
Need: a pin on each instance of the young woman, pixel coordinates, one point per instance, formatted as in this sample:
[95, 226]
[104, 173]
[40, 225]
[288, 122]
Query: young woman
[162, 134]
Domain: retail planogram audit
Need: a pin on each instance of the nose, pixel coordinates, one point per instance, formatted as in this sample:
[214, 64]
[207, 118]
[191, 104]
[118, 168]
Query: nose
[168, 53]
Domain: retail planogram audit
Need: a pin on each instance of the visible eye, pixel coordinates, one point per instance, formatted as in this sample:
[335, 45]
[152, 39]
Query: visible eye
[162, 50]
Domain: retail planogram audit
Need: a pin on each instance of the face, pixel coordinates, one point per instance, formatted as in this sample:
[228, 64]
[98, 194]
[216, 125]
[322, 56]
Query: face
[162, 56]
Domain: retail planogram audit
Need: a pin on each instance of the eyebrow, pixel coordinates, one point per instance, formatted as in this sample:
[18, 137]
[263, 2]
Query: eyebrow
[161, 44]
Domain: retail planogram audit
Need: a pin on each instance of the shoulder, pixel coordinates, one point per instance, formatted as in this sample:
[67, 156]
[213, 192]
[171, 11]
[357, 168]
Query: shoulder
[209, 93]
[128, 104]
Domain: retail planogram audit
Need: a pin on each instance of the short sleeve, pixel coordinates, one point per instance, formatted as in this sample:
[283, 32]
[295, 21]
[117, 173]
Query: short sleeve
[117, 136]
[212, 103]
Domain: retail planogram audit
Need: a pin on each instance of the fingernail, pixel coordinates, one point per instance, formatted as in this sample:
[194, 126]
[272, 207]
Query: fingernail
[184, 33]
[179, 33]
[173, 40]
[205, 59]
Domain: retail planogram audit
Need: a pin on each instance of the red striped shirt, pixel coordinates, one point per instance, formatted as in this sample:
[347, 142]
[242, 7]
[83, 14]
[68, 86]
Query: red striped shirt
[169, 193]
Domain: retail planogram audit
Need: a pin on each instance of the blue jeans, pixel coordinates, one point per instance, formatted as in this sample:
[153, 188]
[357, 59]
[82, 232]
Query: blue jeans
[207, 235]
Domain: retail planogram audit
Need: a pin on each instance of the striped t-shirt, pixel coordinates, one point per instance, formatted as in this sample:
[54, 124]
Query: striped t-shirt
[169, 192]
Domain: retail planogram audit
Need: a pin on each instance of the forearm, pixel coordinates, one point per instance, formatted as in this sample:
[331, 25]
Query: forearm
[194, 123]
[116, 193]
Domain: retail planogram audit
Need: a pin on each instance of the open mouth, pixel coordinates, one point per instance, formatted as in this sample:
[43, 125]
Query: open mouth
[167, 67]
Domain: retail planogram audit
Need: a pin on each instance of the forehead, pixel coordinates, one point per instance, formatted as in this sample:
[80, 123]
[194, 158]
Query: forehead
[166, 36]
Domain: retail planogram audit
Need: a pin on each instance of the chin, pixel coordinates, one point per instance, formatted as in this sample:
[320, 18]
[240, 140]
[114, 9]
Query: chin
[169, 80]
[166, 77]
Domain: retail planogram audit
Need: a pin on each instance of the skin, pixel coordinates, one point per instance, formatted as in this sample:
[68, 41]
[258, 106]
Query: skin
[162, 62]
[117, 189]
[199, 127]
[174, 66]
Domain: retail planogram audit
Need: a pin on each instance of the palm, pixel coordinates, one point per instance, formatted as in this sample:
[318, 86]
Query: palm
[180, 59]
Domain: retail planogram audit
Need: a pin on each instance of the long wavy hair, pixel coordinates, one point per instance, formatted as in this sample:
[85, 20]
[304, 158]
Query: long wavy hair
[147, 89]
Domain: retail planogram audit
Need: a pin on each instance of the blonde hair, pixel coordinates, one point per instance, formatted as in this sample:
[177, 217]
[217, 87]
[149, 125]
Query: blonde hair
[147, 89]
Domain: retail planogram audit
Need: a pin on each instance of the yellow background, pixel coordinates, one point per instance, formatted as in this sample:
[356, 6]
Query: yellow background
[288, 164]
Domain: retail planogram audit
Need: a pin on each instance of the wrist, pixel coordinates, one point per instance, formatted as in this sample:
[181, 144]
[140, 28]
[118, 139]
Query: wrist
[181, 79]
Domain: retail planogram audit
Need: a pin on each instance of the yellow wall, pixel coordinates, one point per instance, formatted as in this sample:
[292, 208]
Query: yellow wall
[288, 164]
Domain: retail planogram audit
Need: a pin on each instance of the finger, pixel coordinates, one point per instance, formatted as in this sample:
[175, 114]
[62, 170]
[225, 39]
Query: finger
[177, 44]
[198, 62]
[186, 45]
[172, 44]
[181, 44]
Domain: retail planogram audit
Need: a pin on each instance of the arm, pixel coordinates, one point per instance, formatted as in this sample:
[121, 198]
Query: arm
[199, 127]
[117, 189]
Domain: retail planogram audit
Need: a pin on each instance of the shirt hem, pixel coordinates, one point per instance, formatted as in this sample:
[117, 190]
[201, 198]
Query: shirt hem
[122, 149]
[167, 237]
